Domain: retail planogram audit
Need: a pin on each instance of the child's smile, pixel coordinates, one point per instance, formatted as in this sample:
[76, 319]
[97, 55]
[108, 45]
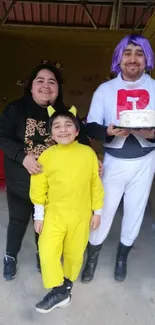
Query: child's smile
[64, 130]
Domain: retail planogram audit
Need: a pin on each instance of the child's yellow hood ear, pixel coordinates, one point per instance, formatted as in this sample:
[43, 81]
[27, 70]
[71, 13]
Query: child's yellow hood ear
[50, 110]
[73, 110]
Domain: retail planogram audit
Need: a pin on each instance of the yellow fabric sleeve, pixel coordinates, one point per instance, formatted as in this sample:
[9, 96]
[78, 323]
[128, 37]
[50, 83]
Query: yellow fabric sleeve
[97, 187]
[39, 184]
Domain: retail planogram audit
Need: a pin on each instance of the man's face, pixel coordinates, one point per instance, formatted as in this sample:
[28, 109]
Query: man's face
[133, 63]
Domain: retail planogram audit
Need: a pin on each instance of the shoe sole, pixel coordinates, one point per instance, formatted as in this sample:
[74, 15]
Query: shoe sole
[7, 278]
[119, 279]
[61, 304]
[86, 281]
[68, 302]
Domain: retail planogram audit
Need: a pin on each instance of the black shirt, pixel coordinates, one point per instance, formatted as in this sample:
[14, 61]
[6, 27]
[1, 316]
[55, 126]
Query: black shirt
[24, 129]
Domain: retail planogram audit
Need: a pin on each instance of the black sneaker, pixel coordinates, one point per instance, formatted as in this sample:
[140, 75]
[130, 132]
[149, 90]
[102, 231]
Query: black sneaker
[69, 285]
[10, 267]
[38, 267]
[53, 300]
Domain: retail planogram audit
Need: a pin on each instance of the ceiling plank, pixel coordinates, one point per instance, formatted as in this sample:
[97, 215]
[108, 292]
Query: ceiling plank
[149, 29]
[4, 18]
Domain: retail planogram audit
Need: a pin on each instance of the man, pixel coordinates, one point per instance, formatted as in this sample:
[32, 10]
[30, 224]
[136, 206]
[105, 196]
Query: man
[128, 161]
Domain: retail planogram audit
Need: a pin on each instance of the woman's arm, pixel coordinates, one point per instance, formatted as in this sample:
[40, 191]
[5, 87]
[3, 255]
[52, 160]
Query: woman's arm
[8, 125]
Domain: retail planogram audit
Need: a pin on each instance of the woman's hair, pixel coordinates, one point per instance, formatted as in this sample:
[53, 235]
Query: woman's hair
[135, 40]
[66, 114]
[59, 105]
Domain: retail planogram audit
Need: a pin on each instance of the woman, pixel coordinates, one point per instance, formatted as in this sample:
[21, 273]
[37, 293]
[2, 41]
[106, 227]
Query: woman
[24, 136]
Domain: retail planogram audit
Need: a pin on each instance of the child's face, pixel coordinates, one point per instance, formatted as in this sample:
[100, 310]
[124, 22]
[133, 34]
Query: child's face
[64, 130]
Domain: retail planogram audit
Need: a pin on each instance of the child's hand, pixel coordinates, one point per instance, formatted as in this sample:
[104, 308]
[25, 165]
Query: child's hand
[38, 226]
[95, 221]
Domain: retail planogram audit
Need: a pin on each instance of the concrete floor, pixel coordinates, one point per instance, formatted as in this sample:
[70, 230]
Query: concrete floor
[102, 302]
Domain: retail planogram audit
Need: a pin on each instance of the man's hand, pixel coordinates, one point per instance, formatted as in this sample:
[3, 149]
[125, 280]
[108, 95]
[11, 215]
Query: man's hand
[148, 134]
[100, 168]
[31, 164]
[117, 132]
[38, 226]
[95, 222]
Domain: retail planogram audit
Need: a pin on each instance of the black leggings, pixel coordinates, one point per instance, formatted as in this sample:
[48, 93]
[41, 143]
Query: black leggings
[20, 212]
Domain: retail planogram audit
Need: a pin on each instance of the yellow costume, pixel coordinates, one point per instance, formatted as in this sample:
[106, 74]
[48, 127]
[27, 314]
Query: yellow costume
[70, 189]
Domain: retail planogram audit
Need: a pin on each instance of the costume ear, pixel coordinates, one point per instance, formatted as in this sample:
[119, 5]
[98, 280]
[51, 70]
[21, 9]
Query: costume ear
[73, 110]
[50, 110]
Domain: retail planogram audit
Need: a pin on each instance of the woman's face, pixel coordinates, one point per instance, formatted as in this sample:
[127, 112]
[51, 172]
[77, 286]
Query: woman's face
[45, 88]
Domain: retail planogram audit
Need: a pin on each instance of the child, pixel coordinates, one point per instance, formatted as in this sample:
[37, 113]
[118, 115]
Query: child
[64, 196]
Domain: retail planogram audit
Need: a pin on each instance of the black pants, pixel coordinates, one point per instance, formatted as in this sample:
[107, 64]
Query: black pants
[20, 212]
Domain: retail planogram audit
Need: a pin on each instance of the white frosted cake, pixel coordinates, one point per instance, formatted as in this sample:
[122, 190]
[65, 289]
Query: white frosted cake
[137, 118]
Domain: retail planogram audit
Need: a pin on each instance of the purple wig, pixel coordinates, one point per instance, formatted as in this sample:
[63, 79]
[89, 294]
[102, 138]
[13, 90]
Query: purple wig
[136, 40]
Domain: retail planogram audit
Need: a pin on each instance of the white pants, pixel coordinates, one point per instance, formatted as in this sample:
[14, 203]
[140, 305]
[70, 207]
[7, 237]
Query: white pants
[133, 178]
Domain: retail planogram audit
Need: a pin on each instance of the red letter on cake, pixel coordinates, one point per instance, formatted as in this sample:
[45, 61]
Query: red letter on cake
[128, 99]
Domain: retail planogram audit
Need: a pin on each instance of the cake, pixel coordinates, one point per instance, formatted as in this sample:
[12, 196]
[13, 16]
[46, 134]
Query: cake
[138, 118]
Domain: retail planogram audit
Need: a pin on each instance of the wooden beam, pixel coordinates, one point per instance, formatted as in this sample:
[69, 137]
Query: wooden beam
[90, 16]
[116, 12]
[67, 2]
[142, 16]
[149, 29]
[63, 26]
[4, 18]
[57, 26]
[87, 2]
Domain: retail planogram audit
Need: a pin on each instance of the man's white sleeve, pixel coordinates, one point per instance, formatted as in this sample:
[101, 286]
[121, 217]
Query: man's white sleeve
[96, 111]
